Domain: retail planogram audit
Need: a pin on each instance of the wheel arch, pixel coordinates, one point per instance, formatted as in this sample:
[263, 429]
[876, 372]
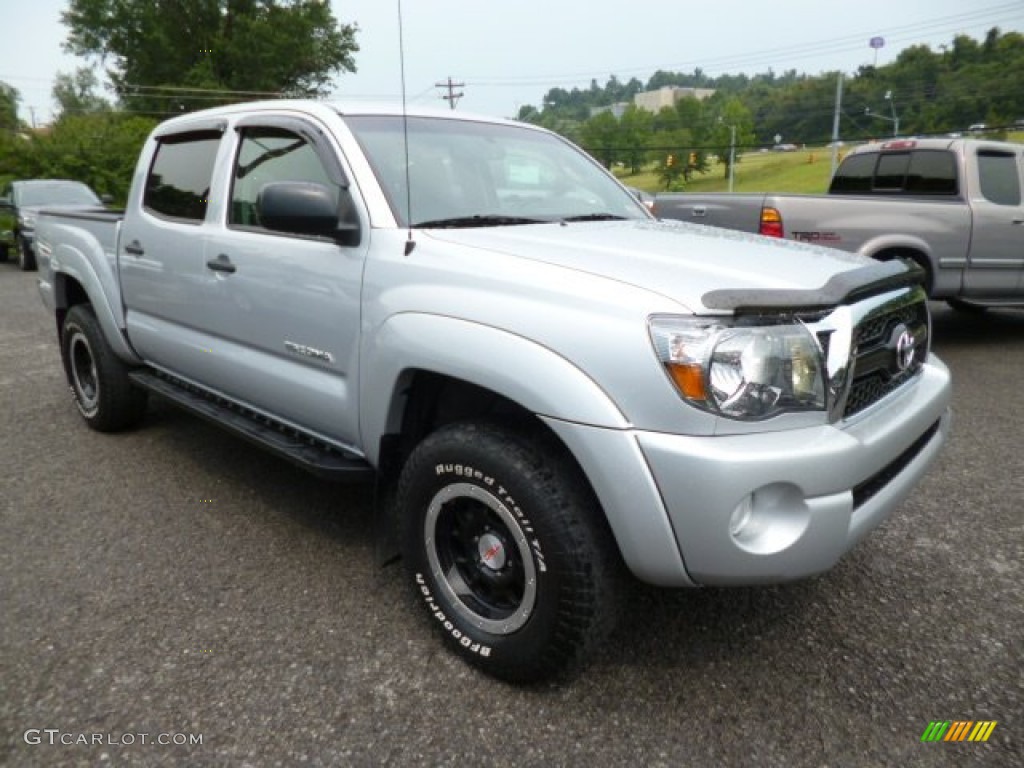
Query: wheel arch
[76, 283]
[918, 252]
[417, 363]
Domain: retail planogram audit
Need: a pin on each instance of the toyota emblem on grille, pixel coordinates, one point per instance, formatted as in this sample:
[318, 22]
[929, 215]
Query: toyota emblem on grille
[905, 348]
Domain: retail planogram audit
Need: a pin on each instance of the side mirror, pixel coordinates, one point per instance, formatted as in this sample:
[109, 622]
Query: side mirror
[6, 204]
[304, 208]
[106, 199]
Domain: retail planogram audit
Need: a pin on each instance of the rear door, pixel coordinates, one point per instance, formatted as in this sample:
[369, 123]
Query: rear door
[161, 246]
[996, 258]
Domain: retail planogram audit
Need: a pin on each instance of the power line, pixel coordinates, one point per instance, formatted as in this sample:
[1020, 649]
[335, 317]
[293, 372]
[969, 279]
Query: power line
[176, 89]
[850, 42]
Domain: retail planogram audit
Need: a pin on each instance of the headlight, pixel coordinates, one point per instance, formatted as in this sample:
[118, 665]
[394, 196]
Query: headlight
[747, 372]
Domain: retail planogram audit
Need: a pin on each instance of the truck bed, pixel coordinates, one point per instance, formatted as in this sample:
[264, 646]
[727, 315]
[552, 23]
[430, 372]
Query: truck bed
[86, 231]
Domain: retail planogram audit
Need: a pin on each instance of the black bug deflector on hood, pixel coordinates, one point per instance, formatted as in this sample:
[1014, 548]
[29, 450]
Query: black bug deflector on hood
[846, 287]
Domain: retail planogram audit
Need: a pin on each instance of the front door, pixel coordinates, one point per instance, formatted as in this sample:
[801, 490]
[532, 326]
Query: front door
[286, 308]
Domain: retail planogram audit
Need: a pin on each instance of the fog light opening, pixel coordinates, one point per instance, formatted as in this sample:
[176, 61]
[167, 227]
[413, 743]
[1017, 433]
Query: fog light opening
[741, 516]
[770, 519]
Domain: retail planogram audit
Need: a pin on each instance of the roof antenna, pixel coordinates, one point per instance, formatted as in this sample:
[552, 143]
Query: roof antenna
[410, 244]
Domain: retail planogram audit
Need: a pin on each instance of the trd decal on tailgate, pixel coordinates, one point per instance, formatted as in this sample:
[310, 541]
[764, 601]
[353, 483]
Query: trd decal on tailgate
[817, 237]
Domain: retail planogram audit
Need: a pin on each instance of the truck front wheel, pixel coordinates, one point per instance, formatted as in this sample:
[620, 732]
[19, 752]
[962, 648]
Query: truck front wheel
[507, 550]
[99, 380]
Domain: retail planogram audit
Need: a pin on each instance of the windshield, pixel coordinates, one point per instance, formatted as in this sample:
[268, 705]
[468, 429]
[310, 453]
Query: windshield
[464, 174]
[70, 193]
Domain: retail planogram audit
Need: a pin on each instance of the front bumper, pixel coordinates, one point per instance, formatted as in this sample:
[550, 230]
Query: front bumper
[765, 507]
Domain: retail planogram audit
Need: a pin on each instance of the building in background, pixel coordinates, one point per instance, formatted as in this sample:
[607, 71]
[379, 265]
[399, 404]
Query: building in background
[668, 95]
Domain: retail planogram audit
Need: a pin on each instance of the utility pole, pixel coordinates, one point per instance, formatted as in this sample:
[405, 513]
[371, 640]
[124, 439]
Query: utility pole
[895, 119]
[732, 154]
[732, 150]
[835, 121]
[452, 96]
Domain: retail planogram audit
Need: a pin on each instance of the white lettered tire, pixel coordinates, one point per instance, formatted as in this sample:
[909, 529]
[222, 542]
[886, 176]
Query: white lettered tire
[507, 550]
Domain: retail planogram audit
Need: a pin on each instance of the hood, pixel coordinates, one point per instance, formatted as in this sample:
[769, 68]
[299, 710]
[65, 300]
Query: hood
[677, 260]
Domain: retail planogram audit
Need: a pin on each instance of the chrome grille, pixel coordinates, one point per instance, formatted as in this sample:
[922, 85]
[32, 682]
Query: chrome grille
[890, 345]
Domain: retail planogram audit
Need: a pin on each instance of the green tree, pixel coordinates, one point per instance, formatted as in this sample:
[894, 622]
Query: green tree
[156, 50]
[672, 165]
[76, 94]
[99, 149]
[634, 136]
[600, 137]
[731, 132]
[9, 98]
[692, 137]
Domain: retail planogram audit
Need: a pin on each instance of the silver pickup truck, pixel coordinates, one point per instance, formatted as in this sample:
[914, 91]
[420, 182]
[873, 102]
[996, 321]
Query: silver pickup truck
[953, 206]
[546, 383]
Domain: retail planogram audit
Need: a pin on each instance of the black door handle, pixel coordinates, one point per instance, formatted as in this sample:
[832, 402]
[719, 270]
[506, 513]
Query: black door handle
[221, 264]
[134, 248]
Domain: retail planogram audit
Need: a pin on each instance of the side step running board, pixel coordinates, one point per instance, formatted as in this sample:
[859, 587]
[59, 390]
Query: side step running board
[307, 452]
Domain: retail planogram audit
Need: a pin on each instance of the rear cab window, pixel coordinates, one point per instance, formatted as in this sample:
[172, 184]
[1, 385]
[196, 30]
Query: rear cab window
[178, 183]
[921, 172]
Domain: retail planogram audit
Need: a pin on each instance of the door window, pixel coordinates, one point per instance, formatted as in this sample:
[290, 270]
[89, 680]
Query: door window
[268, 154]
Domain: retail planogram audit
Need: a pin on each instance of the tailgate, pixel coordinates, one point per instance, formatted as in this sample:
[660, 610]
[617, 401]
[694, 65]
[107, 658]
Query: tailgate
[742, 212]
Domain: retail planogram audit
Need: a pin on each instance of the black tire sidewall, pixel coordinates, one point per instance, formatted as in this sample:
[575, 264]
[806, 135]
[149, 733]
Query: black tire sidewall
[118, 404]
[512, 472]
[79, 323]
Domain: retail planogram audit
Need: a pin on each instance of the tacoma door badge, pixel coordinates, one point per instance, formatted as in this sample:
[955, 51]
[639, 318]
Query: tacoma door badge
[302, 349]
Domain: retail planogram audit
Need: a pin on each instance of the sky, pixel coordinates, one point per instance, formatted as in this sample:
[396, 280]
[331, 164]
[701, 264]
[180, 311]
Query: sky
[509, 54]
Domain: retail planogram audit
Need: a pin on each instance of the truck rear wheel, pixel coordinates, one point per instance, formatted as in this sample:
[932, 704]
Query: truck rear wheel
[98, 379]
[507, 549]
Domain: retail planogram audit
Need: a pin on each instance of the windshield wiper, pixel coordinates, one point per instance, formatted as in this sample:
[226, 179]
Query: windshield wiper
[478, 220]
[595, 217]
